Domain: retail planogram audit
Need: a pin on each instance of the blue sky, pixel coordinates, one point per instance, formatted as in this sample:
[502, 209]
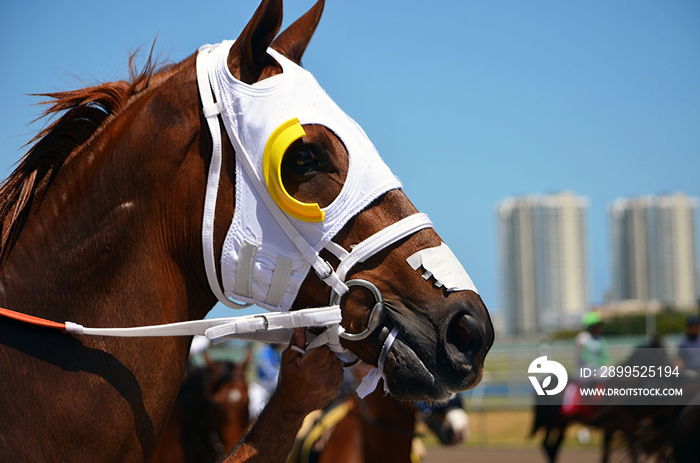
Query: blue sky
[468, 101]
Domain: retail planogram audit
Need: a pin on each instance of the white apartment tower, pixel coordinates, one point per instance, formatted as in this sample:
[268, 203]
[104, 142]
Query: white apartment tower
[543, 264]
[654, 250]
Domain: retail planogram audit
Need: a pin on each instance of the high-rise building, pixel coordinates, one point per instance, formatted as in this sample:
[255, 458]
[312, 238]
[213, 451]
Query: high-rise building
[654, 250]
[543, 263]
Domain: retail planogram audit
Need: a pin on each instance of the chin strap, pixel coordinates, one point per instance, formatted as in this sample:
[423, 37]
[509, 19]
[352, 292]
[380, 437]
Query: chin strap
[371, 379]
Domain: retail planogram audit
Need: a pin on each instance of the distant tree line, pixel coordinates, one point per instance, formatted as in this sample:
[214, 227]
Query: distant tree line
[668, 321]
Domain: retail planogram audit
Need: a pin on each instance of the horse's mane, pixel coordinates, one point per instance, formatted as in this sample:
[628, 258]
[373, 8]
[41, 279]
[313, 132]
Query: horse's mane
[83, 113]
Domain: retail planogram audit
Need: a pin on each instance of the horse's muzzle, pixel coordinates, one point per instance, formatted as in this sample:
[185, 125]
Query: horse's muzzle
[434, 360]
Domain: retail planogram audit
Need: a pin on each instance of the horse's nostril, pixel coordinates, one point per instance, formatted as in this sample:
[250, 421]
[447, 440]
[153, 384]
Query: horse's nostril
[459, 334]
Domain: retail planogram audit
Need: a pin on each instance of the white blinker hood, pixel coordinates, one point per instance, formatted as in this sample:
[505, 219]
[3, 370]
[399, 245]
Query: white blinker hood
[261, 263]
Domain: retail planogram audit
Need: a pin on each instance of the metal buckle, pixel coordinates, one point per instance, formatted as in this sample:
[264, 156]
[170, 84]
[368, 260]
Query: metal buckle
[328, 273]
[267, 323]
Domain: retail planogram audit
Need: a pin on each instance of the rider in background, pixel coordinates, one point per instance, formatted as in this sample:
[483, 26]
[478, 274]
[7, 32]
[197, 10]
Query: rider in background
[592, 353]
[591, 346]
[689, 347]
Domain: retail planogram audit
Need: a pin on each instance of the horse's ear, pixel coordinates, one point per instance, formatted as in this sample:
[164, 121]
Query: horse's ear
[293, 41]
[247, 58]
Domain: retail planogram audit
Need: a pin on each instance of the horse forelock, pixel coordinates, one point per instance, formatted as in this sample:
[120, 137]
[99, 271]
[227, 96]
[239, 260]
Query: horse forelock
[80, 115]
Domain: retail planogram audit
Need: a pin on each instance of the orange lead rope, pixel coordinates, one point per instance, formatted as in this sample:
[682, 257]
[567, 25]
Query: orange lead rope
[36, 321]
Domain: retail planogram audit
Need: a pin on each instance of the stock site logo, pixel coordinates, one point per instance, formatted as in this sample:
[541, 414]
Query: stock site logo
[543, 366]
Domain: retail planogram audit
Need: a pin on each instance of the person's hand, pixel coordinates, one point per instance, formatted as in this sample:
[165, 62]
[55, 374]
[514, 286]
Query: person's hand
[307, 382]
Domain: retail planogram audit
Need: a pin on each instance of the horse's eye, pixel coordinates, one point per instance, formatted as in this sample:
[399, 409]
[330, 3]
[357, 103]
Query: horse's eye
[302, 159]
[305, 159]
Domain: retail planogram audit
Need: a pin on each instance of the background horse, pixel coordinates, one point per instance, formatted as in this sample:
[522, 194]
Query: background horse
[643, 429]
[210, 414]
[378, 428]
[101, 225]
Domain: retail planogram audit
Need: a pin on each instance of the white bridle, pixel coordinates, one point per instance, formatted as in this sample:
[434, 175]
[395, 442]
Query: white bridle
[438, 262]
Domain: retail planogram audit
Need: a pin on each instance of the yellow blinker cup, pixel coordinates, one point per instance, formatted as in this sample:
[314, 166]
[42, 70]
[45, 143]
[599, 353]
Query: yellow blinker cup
[276, 146]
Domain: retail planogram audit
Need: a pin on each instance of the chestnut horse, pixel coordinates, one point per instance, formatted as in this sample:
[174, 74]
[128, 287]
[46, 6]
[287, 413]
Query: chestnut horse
[102, 225]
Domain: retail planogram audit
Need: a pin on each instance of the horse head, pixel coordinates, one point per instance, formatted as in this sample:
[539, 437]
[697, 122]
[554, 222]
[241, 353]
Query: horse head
[101, 223]
[319, 216]
[450, 424]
